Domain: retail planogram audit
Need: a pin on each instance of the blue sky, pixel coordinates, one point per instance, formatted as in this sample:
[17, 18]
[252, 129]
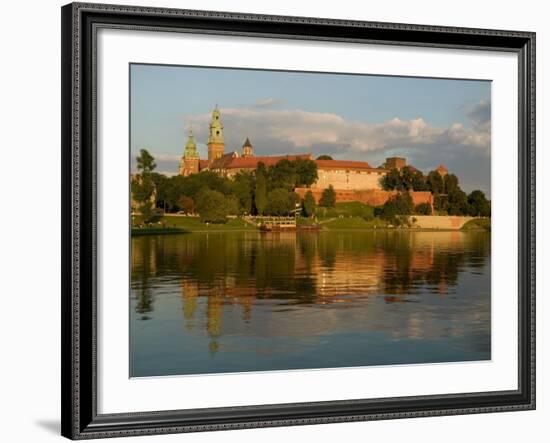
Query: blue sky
[360, 117]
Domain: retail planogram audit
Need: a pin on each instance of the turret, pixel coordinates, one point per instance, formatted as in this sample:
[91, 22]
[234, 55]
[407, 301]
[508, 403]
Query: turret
[189, 163]
[443, 171]
[216, 143]
[248, 150]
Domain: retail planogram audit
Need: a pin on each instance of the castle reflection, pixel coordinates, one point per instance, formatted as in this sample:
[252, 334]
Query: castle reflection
[304, 281]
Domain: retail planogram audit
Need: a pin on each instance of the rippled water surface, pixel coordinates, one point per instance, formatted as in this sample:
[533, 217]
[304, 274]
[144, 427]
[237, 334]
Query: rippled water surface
[247, 301]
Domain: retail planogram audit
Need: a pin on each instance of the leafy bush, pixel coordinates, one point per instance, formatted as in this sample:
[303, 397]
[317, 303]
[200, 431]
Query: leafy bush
[328, 198]
[309, 204]
[397, 208]
[478, 223]
[423, 209]
[281, 202]
[478, 204]
[212, 206]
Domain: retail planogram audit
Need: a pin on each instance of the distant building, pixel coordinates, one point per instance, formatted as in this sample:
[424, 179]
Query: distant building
[395, 163]
[216, 144]
[248, 150]
[442, 170]
[355, 179]
[190, 162]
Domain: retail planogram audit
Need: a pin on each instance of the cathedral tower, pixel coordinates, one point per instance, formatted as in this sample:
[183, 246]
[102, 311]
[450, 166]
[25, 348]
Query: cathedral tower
[216, 144]
[189, 163]
[248, 150]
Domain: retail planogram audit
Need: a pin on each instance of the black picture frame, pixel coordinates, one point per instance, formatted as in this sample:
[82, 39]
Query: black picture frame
[79, 174]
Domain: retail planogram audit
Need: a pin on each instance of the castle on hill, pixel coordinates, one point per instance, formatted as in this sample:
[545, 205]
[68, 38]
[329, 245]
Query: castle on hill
[352, 180]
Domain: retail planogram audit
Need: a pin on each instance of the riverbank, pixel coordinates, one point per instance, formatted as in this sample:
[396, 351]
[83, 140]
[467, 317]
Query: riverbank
[178, 224]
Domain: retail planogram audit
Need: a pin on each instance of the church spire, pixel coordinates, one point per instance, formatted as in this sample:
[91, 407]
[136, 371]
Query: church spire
[189, 163]
[216, 143]
[248, 150]
[191, 146]
[215, 134]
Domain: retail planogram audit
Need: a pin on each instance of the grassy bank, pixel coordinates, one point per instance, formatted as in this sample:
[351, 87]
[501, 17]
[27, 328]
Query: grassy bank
[350, 223]
[154, 230]
[175, 224]
[347, 209]
[337, 219]
[477, 224]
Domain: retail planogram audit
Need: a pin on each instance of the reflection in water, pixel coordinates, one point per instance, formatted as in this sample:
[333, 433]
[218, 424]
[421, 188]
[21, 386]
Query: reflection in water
[225, 302]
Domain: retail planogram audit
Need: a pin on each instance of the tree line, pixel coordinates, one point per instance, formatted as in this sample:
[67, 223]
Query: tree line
[265, 191]
[449, 198]
[269, 191]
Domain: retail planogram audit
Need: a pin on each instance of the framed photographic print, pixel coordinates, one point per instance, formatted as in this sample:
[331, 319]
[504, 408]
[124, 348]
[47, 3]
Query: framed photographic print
[273, 221]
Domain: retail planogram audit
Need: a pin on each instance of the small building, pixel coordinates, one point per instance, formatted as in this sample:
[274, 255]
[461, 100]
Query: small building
[395, 163]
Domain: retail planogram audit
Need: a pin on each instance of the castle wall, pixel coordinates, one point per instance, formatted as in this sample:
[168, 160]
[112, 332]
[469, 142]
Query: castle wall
[189, 166]
[440, 221]
[215, 150]
[349, 179]
[371, 197]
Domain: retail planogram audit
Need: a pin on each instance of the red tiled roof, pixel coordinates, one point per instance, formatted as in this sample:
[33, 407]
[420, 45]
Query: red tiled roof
[412, 168]
[203, 164]
[252, 162]
[223, 161]
[342, 164]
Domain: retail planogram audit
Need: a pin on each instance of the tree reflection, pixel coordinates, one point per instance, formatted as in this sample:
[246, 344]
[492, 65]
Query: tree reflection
[217, 270]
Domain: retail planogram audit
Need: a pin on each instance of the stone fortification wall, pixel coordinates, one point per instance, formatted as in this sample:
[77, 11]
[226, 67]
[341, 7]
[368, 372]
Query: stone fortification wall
[349, 179]
[372, 197]
[440, 221]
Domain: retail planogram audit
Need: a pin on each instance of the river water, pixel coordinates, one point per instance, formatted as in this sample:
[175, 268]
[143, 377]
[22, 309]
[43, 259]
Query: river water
[248, 301]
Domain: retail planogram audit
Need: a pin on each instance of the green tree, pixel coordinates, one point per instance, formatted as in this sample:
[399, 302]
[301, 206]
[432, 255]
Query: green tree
[145, 162]
[306, 171]
[242, 187]
[193, 183]
[260, 191]
[391, 181]
[328, 198]
[478, 204]
[175, 189]
[325, 157]
[232, 205]
[435, 182]
[186, 204]
[161, 183]
[143, 187]
[282, 175]
[419, 182]
[407, 178]
[451, 184]
[458, 203]
[212, 206]
[423, 209]
[281, 202]
[397, 208]
[441, 204]
[309, 204]
[403, 203]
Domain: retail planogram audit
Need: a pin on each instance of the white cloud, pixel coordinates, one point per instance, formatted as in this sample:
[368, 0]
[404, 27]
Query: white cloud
[273, 130]
[465, 150]
[166, 157]
[267, 102]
